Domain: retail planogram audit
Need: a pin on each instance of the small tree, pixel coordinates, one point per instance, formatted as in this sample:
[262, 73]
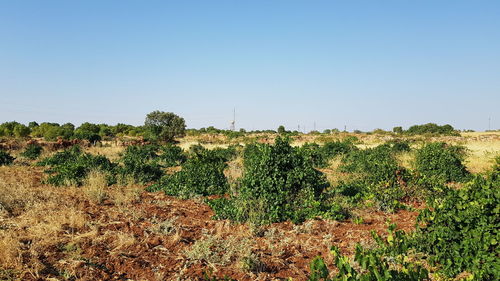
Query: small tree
[281, 130]
[398, 130]
[164, 126]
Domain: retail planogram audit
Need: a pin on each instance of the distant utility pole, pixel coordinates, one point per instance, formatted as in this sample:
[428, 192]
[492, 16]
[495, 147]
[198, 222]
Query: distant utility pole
[314, 125]
[298, 128]
[234, 120]
[489, 123]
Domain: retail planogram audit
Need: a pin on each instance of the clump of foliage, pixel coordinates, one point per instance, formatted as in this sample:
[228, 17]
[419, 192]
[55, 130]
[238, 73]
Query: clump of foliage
[52, 131]
[321, 154]
[88, 131]
[432, 129]
[460, 230]
[32, 151]
[201, 174]
[139, 163]
[164, 126]
[378, 170]
[5, 158]
[14, 129]
[171, 155]
[441, 162]
[399, 145]
[278, 184]
[388, 261]
[71, 166]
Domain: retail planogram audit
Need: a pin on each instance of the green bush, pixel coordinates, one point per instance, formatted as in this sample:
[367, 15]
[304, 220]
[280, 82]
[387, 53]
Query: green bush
[202, 174]
[5, 158]
[171, 156]
[320, 155]
[460, 230]
[71, 166]
[441, 162]
[140, 163]
[32, 151]
[279, 183]
[378, 169]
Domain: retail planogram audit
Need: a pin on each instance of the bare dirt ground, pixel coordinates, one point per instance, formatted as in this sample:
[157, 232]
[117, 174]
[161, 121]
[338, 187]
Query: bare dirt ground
[67, 234]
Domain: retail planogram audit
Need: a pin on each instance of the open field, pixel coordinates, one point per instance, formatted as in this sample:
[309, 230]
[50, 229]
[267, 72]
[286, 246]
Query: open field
[98, 231]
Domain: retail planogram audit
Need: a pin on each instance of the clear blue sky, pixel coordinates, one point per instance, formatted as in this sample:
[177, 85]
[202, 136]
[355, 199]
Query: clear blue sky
[364, 64]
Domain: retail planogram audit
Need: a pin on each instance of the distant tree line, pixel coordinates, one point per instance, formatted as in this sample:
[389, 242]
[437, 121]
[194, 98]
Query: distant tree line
[428, 129]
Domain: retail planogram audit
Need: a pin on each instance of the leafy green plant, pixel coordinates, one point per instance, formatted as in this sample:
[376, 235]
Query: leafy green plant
[441, 162]
[5, 158]
[387, 261]
[460, 230]
[202, 174]
[279, 183]
[32, 151]
[139, 163]
[71, 166]
[377, 169]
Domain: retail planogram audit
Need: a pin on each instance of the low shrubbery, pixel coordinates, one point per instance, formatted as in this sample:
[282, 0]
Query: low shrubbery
[5, 158]
[460, 230]
[377, 174]
[387, 261]
[279, 183]
[441, 162]
[319, 155]
[457, 235]
[32, 151]
[201, 174]
[140, 163]
[71, 167]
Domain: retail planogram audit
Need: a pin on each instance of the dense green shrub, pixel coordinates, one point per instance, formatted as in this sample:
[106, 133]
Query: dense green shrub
[321, 154]
[278, 184]
[201, 174]
[14, 129]
[71, 166]
[433, 129]
[52, 131]
[399, 145]
[32, 151]
[5, 158]
[460, 230]
[171, 155]
[140, 164]
[88, 131]
[378, 169]
[441, 162]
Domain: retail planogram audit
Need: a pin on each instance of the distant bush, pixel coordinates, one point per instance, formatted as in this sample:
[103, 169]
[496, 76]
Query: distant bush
[460, 230]
[5, 158]
[442, 162]
[202, 174]
[14, 129]
[71, 166]
[88, 131]
[32, 151]
[433, 129]
[164, 126]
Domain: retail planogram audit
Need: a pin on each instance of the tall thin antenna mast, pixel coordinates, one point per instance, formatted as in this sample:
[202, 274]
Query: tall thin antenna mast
[234, 120]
